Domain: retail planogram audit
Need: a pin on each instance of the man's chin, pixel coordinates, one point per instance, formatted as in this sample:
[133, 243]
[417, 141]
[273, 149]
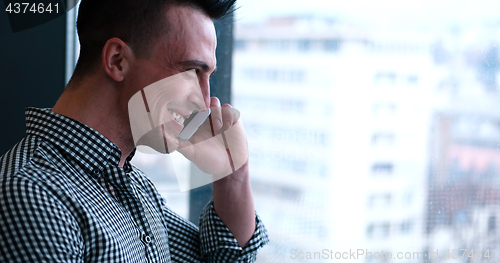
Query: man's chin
[159, 140]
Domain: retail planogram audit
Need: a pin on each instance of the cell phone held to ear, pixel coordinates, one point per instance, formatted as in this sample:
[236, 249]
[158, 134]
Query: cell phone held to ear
[191, 124]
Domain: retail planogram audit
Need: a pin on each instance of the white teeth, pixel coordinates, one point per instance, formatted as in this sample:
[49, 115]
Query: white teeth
[177, 117]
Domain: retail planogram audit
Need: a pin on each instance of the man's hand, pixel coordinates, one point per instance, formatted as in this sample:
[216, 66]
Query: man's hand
[219, 147]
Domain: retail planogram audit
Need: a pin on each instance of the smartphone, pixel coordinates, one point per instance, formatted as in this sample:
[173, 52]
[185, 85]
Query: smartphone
[191, 124]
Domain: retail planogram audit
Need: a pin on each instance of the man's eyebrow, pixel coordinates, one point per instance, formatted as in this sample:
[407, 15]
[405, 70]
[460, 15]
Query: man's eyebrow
[199, 64]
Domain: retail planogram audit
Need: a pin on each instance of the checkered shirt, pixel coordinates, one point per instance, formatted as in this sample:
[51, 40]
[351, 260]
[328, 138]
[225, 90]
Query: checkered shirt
[63, 198]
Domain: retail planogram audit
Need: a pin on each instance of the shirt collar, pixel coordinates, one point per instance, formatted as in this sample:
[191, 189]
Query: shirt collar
[87, 146]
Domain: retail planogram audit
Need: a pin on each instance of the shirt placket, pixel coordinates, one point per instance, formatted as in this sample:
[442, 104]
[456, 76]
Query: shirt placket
[158, 230]
[125, 191]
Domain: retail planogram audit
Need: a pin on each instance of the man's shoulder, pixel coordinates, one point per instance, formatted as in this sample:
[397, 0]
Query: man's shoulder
[31, 159]
[18, 156]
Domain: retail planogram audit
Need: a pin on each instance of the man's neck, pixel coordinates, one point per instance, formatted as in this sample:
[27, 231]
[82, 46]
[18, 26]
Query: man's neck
[96, 103]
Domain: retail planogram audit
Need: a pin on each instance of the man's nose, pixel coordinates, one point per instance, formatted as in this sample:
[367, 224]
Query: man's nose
[199, 97]
[205, 91]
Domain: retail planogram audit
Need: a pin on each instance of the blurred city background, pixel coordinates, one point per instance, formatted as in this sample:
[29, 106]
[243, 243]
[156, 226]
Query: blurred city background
[376, 130]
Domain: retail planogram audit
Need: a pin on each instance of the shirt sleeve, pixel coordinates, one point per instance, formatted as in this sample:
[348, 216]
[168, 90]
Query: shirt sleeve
[35, 226]
[212, 242]
[218, 243]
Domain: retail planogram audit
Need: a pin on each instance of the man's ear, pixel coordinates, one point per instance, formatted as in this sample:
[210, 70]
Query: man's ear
[116, 58]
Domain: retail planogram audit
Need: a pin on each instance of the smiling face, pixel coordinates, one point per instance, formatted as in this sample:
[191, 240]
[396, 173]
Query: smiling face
[189, 49]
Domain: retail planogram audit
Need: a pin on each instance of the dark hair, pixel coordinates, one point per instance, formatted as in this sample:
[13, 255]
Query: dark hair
[139, 23]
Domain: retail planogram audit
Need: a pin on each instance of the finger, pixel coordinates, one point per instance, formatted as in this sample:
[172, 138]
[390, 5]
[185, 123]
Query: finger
[227, 116]
[215, 115]
[236, 115]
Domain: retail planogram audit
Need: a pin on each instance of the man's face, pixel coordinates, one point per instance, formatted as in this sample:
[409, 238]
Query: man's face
[189, 45]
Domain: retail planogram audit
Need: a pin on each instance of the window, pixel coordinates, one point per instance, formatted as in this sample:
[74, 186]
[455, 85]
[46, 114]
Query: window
[385, 78]
[378, 230]
[413, 95]
[305, 45]
[369, 230]
[286, 193]
[384, 109]
[413, 79]
[382, 169]
[386, 229]
[383, 140]
[492, 225]
[331, 45]
[380, 201]
[406, 227]
[274, 105]
[274, 75]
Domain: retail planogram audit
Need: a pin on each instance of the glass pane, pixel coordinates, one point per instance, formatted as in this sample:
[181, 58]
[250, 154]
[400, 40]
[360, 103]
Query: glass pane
[164, 170]
[373, 127]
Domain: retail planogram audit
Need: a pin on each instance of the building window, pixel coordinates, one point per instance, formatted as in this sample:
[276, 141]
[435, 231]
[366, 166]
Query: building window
[406, 227]
[386, 229]
[385, 78]
[384, 109]
[275, 75]
[382, 169]
[492, 225]
[378, 230]
[369, 230]
[380, 200]
[305, 45]
[331, 45]
[413, 79]
[383, 139]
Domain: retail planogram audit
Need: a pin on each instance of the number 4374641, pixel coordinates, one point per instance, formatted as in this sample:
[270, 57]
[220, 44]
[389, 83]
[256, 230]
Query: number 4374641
[32, 7]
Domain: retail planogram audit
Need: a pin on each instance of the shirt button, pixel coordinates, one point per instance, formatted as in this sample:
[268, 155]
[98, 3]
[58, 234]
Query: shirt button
[96, 171]
[145, 238]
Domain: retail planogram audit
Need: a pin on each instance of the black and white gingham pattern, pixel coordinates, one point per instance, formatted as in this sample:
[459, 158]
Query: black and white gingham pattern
[63, 198]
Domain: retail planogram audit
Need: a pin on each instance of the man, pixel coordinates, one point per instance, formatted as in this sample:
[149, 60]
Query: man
[68, 191]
